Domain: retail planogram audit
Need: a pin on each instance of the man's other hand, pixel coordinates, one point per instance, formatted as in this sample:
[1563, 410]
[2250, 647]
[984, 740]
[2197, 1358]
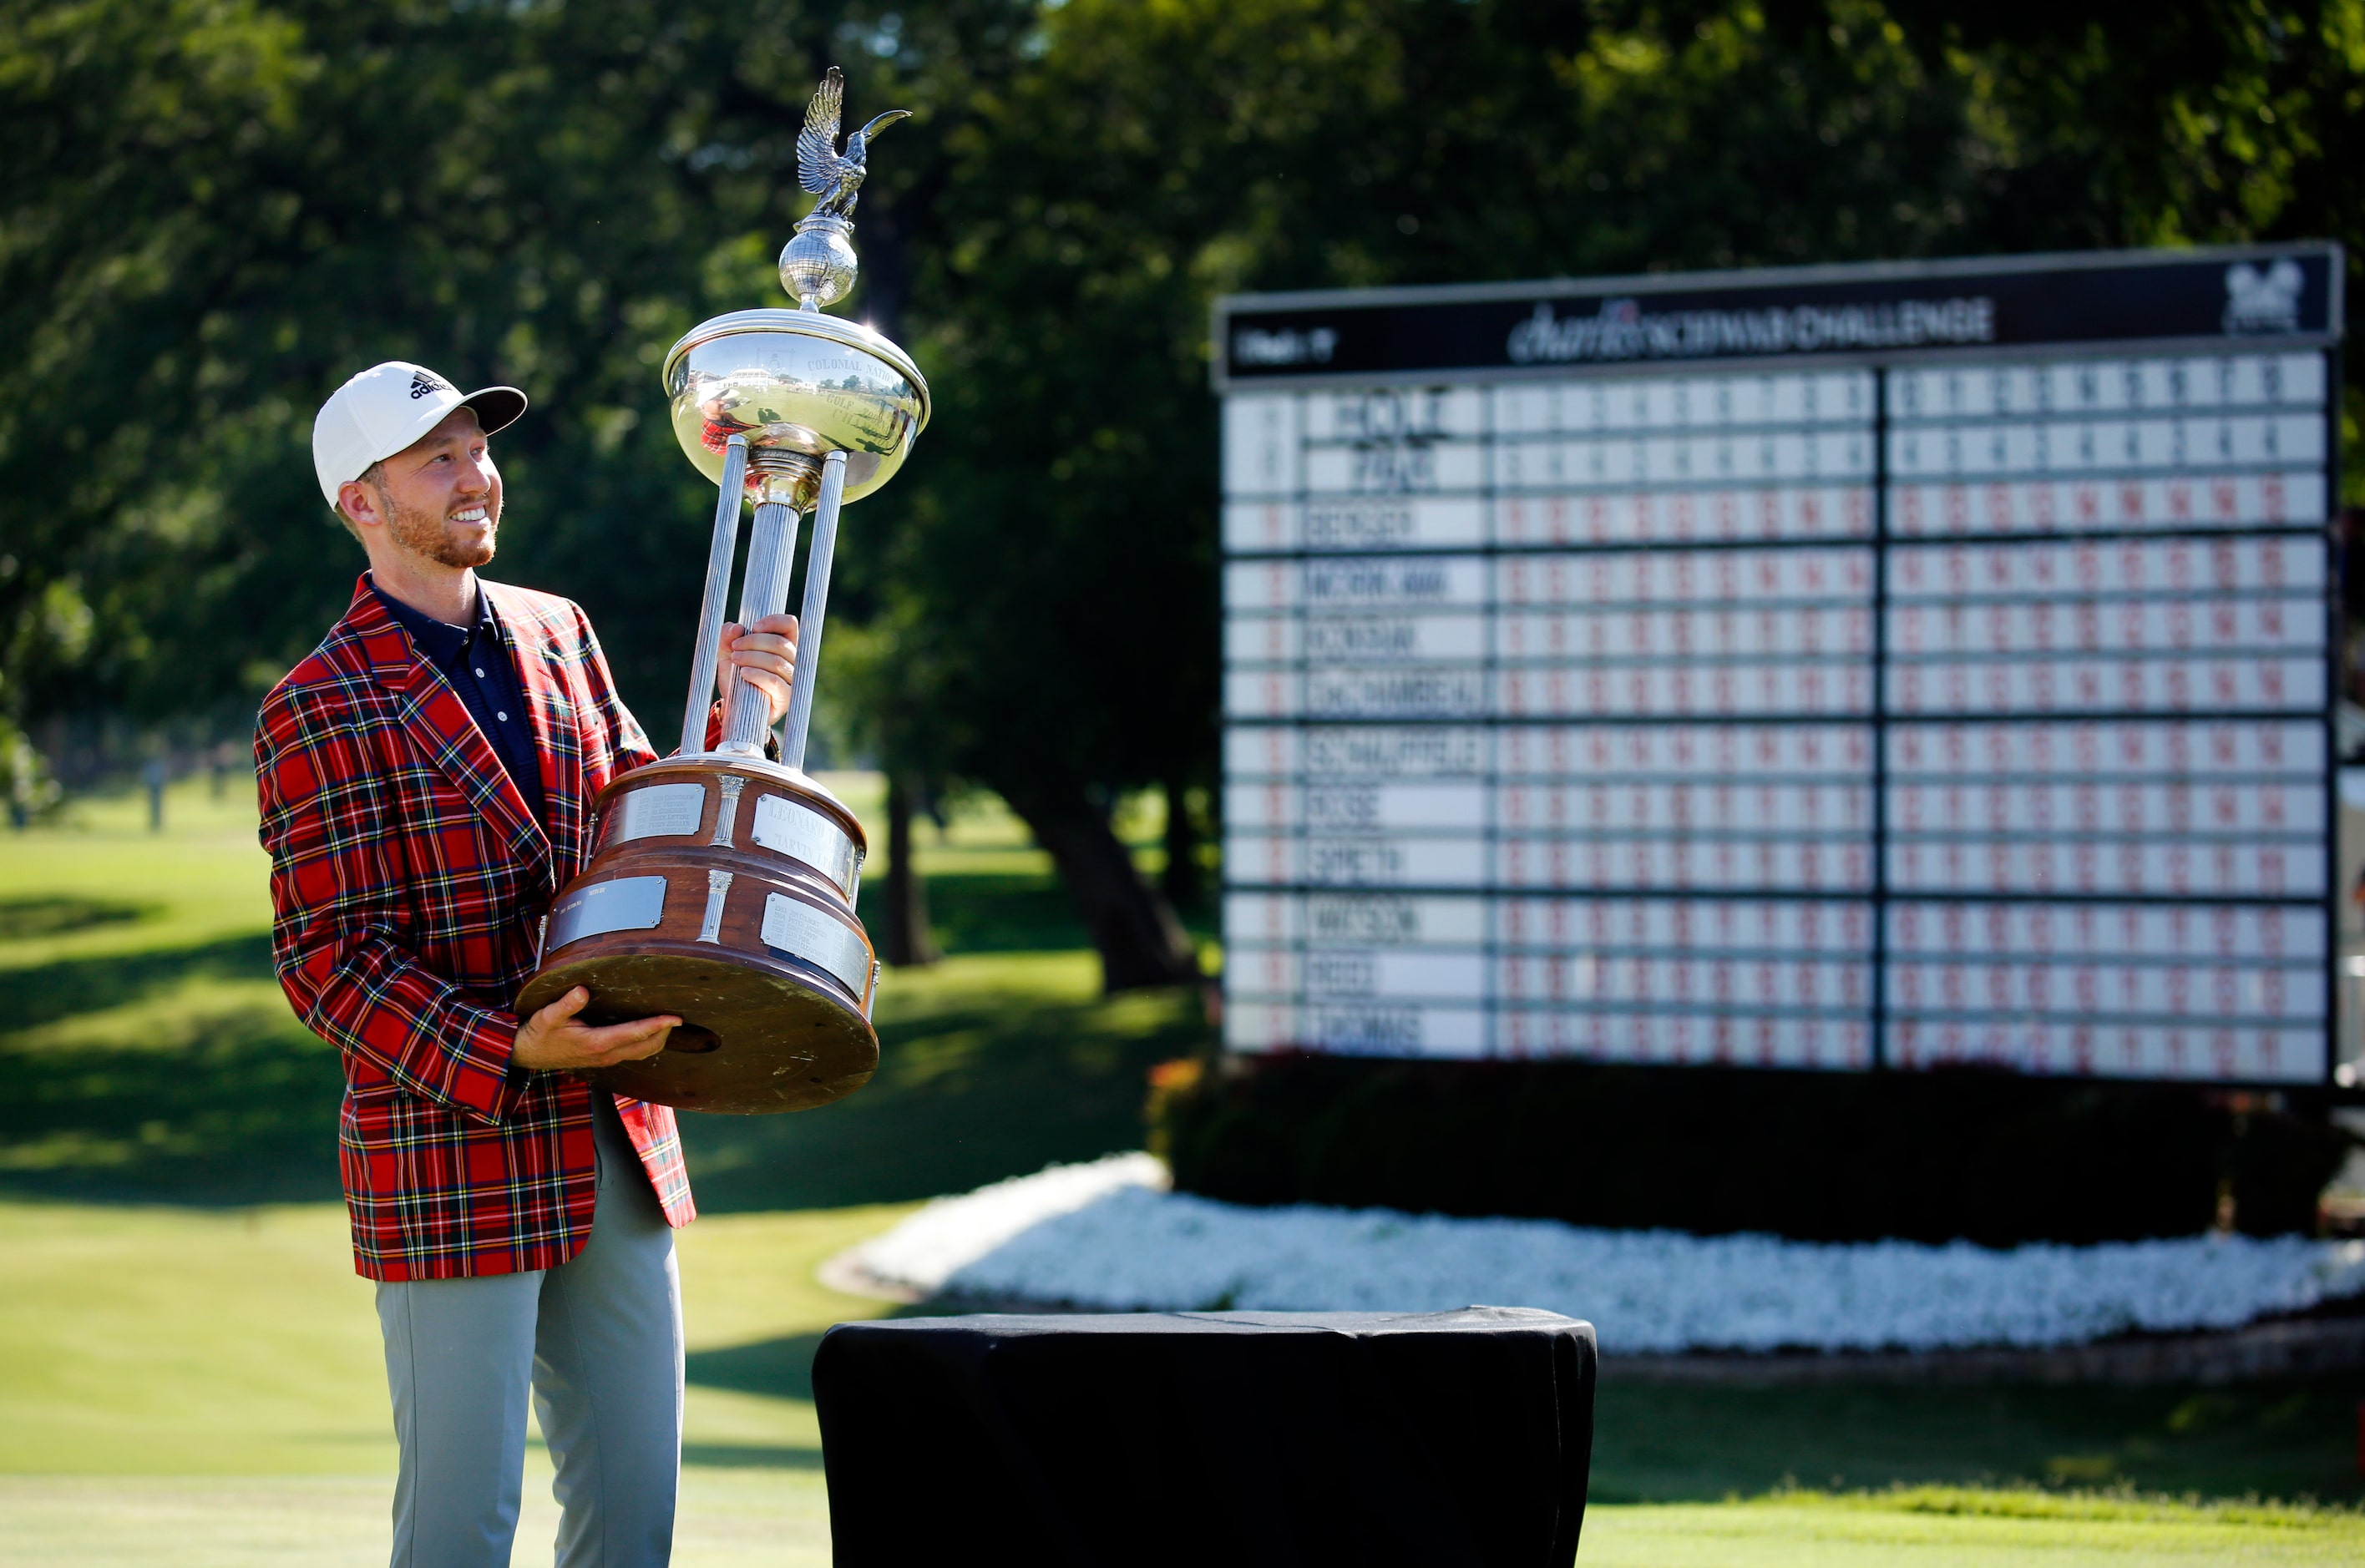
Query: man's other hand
[767, 653]
[552, 1041]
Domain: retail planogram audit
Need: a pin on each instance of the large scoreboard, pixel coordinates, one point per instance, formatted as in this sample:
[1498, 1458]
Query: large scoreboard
[1854, 667]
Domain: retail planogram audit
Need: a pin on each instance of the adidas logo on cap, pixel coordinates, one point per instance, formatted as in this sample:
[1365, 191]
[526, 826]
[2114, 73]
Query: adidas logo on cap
[387, 406]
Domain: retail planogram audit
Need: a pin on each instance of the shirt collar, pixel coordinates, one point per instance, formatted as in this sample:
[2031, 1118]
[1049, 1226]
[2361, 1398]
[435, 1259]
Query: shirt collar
[442, 641]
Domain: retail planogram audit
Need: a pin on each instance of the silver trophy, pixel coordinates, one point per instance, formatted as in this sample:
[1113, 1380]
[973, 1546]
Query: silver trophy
[721, 886]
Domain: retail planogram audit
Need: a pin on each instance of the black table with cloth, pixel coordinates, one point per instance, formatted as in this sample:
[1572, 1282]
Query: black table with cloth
[1251, 1439]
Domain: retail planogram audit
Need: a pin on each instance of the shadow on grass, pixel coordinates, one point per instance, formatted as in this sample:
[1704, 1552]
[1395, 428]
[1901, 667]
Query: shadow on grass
[747, 1456]
[241, 1113]
[45, 993]
[777, 1369]
[22, 919]
[1672, 1443]
[1005, 913]
[990, 913]
[241, 1106]
[963, 1097]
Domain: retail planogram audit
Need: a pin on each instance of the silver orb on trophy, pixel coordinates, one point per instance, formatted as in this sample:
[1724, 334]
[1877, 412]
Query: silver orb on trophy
[721, 887]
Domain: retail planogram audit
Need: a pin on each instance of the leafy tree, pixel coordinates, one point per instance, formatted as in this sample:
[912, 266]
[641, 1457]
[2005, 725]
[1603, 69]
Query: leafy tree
[215, 213]
[213, 210]
[1051, 608]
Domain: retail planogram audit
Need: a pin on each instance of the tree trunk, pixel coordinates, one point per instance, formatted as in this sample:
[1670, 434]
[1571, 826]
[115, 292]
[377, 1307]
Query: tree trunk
[907, 941]
[1139, 941]
[1181, 881]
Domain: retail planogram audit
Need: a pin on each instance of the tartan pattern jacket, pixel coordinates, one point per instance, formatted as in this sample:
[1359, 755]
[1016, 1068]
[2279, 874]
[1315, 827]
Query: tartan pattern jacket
[408, 881]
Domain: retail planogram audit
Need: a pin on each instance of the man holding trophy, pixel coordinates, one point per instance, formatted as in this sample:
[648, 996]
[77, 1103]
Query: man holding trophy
[530, 938]
[426, 776]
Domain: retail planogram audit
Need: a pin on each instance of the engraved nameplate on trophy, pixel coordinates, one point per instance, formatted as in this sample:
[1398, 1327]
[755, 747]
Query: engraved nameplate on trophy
[670, 811]
[791, 926]
[625, 903]
[809, 836]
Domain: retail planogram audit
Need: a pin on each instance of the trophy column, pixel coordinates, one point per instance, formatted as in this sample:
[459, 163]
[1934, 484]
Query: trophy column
[718, 555]
[819, 558]
[771, 560]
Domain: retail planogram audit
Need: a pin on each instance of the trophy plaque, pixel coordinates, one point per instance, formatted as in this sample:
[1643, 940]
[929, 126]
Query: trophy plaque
[721, 887]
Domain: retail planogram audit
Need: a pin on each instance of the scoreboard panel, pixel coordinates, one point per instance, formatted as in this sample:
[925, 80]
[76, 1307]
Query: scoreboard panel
[1858, 703]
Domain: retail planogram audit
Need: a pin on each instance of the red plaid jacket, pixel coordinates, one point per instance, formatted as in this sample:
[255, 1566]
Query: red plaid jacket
[409, 881]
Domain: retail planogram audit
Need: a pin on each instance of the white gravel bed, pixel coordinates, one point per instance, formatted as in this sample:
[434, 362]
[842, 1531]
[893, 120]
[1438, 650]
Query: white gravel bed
[1108, 1235]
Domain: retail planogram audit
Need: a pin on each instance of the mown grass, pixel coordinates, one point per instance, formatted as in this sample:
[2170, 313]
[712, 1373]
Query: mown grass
[756, 1518]
[189, 1373]
[2281, 1439]
[146, 1052]
[147, 1055]
[147, 1340]
[200, 1386]
[1968, 1528]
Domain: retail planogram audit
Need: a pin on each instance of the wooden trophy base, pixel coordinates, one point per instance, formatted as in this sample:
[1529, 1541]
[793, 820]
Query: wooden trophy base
[721, 891]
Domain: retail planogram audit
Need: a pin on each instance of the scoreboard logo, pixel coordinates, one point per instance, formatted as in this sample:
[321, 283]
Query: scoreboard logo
[2263, 299]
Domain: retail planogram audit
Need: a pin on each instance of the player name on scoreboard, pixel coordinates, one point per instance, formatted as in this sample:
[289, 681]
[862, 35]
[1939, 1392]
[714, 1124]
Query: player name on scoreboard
[1857, 702]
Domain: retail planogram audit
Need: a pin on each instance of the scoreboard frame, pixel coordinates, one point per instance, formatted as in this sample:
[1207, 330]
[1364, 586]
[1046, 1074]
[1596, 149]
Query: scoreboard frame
[1885, 321]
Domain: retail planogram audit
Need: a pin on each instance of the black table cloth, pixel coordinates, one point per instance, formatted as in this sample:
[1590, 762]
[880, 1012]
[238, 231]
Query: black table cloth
[1261, 1439]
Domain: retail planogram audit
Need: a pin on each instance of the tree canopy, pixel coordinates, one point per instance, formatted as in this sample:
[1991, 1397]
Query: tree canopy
[214, 210]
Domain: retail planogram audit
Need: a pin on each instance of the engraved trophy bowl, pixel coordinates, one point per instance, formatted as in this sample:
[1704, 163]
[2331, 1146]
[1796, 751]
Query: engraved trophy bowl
[721, 886]
[722, 891]
[796, 384]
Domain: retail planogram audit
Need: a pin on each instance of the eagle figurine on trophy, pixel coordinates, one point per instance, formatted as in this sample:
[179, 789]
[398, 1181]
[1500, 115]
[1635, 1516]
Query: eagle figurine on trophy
[833, 177]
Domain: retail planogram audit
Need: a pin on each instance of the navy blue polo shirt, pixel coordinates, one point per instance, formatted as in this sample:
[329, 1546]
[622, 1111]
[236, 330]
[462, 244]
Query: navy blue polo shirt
[476, 659]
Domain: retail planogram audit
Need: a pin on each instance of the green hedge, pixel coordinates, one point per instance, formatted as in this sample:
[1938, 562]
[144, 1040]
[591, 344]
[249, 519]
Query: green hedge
[1994, 1157]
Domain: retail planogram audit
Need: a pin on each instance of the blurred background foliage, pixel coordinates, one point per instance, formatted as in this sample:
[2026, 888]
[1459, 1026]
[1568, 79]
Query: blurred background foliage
[212, 211]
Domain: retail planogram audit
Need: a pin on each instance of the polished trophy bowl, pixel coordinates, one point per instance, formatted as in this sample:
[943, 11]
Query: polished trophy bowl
[721, 887]
[797, 385]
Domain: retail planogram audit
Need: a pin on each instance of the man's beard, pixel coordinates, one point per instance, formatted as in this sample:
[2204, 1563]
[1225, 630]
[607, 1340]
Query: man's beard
[424, 535]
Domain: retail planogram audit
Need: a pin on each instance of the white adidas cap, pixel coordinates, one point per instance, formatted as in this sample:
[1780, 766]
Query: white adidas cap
[387, 407]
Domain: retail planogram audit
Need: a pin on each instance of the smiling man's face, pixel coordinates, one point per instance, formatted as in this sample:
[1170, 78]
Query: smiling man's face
[440, 497]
